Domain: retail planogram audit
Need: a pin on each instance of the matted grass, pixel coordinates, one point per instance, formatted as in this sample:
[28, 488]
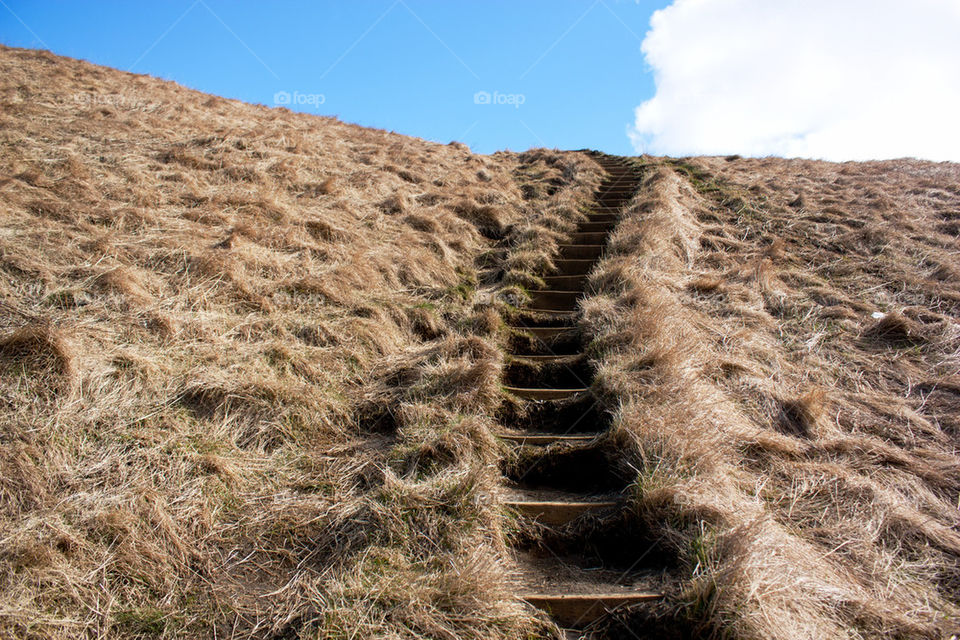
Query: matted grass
[783, 339]
[245, 357]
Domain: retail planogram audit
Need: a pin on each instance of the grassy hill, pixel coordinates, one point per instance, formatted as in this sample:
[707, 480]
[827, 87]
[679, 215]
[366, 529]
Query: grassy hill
[251, 368]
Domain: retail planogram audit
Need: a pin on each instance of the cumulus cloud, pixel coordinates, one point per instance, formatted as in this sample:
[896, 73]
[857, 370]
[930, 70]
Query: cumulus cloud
[833, 79]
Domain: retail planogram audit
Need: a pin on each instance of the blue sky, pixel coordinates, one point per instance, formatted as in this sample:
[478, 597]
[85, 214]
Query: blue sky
[850, 80]
[559, 73]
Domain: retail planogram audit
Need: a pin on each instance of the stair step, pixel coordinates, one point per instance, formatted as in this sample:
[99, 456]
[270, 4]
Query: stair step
[581, 251]
[554, 371]
[574, 266]
[553, 299]
[555, 317]
[588, 237]
[544, 333]
[593, 226]
[605, 218]
[544, 340]
[567, 283]
[555, 512]
[546, 359]
[547, 438]
[579, 610]
[543, 393]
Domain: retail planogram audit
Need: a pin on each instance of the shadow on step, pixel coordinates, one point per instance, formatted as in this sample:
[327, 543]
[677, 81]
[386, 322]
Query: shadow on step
[561, 373]
[544, 340]
[615, 539]
[531, 318]
[585, 469]
[580, 414]
[659, 621]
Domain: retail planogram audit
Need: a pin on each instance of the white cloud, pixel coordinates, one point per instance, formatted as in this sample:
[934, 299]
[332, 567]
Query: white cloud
[834, 79]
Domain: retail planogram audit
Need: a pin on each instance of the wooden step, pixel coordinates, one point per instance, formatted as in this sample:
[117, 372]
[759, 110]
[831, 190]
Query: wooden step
[554, 371]
[544, 333]
[606, 218]
[547, 438]
[574, 266]
[581, 251]
[542, 393]
[553, 299]
[557, 513]
[588, 237]
[546, 359]
[555, 317]
[605, 226]
[579, 610]
[567, 283]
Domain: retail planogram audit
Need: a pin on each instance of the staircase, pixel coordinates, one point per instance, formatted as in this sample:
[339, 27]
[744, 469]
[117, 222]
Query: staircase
[561, 480]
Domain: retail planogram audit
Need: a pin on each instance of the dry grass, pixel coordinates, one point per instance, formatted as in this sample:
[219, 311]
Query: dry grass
[248, 360]
[783, 337]
[245, 362]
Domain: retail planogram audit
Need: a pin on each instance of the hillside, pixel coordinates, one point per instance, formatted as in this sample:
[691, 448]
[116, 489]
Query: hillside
[265, 374]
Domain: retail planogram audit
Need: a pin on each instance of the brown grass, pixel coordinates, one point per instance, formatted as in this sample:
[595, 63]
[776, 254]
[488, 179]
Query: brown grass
[249, 359]
[787, 448]
[246, 359]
